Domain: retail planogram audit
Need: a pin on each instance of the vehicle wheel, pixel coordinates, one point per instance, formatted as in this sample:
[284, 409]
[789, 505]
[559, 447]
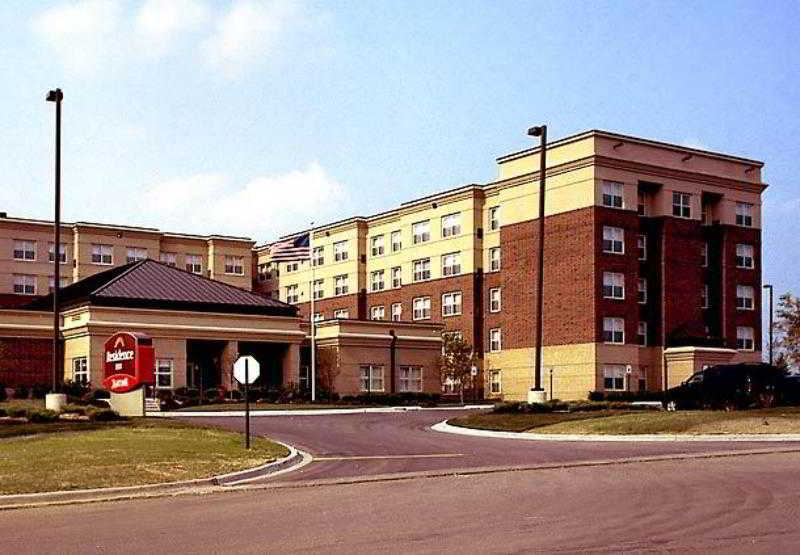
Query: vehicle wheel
[671, 406]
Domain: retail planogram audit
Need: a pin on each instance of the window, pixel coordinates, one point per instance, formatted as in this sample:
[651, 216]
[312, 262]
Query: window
[102, 254]
[643, 203]
[744, 297]
[451, 304]
[451, 225]
[63, 282]
[494, 218]
[614, 330]
[744, 338]
[422, 269]
[340, 251]
[170, 259]
[135, 254]
[317, 317]
[495, 341]
[234, 265]
[494, 382]
[704, 255]
[340, 285]
[641, 289]
[377, 245]
[704, 296]
[318, 256]
[397, 241]
[494, 299]
[494, 259]
[451, 264]
[641, 334]
[681, 205]
[397, 312]
[613, 285]
[371, 377]
[643, 378]
[292, 267]
[614, 377]
[744, 256]
[397, 277]
[421, 231]
[24, 284]
[25, 250]
[421, 308]
[376, 278]
[705, 213]
[410, 378]
[292, 296]
[62, 252]
[194, 263]
[341, 313]
[80, 370]
[744, 214]
[613, 240]
[304, 378]
[641, 245]
[163, 374]
[612, 194]
[317, 289]
[377, 313]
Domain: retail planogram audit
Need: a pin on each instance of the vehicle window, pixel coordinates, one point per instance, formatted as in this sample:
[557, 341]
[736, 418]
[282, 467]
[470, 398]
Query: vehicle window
[696, 378]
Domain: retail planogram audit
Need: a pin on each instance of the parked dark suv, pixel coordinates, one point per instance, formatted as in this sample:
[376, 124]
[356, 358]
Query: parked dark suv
[728, 387]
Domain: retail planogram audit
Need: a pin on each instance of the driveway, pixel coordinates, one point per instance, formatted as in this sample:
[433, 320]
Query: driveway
[387, 443]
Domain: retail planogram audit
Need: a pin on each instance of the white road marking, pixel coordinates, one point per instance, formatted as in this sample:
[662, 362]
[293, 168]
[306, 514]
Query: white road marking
[368, 457]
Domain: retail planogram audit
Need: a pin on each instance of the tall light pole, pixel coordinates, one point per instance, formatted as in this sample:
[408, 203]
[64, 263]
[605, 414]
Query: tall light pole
[537, 393]
[768, 286]
[56, 96]
[313, 321]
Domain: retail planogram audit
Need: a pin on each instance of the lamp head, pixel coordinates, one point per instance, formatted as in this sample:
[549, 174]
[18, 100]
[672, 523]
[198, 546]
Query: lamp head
[55, 96]
[536, 131]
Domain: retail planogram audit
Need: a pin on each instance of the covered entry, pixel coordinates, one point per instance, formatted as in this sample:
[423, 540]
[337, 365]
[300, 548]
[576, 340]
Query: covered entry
[270, 356]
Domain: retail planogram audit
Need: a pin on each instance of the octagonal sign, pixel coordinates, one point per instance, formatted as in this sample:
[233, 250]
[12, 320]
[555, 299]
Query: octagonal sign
[246, 365]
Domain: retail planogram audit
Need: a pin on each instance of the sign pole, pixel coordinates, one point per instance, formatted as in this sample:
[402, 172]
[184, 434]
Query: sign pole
[246, 404]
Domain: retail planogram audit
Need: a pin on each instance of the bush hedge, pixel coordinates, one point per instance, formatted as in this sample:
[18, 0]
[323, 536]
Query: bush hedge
[104, 415]
[3, 393]
[569, 406]
[626, 395]
[42, 416]
[17, 412]
[21, 392]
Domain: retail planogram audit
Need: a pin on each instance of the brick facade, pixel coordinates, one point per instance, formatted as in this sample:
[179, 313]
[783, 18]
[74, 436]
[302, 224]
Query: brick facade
[25, 361]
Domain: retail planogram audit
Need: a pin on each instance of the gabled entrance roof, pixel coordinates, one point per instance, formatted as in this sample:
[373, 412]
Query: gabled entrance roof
[152, 284]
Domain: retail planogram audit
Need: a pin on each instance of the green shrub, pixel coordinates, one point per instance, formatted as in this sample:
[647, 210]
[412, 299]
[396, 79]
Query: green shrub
[3, 412]
[18, 412]
[21, 392]
[74, 409]
[42, 416]
[39, 390]
[104, 415]
[75, 389]
[3, 394]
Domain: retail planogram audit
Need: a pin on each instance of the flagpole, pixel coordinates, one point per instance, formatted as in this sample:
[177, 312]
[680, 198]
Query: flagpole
[313, 323]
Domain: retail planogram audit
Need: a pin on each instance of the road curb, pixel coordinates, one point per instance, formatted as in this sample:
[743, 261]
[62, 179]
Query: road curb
[295, 459]
[704, 438]
[308, 412]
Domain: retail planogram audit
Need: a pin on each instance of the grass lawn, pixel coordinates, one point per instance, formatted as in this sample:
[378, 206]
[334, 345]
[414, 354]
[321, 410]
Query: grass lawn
[139, 451]
[22, 403]
[767, 421]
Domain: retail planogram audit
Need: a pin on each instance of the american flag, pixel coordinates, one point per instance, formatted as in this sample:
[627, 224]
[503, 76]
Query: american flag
[296, 248]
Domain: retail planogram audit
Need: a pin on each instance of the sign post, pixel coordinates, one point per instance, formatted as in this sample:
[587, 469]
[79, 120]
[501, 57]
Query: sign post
[246, 370]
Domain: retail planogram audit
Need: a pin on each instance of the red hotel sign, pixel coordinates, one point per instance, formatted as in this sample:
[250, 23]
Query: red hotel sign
[129, 361]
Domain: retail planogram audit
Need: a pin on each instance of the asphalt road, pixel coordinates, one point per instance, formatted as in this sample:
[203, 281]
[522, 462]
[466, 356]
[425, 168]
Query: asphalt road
[384, 443]
[744, 504]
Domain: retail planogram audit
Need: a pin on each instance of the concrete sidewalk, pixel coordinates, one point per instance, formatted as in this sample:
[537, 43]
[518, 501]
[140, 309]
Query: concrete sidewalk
[309, 412]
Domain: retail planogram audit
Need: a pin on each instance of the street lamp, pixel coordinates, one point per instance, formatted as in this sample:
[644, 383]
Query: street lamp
[537, 395]
[56, 96]
[768, 286]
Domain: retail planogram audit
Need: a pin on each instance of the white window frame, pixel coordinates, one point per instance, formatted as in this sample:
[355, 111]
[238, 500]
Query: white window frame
[80, 370]
[318, 317]
[62, 251]
[704, 296]
[495, 382]
[494, 259]
[494, 218]
[613, 240]
[52, 281]
[641, 290]
[397, 277]
[681, 204]
[421, 232]
[371, 378]
[614, 330]
[495, 340]
[102, 255]
[168, 258]
[451, 225]
[376, 245]
[24, 250]
[641, 246]
[292, 267]
[397, 240]
[340, 253]
[376, 281]
[495, 304]
[451, 264]
[451, 303]
[194, 263]
[641, 332]
[341, 285]
[422, 269]
[613, 194]
[744, 214]
[745, 297]
[292, 294]
[24, 284]
[746, 254]
[234, 265]
[318, 256]
[397, 312]
[318, 289]
[613, 285]
[614, 377]
[643, 203]
[159, 372]
[421, 308]
[135, 254]
[341, 313]
[745, 338]
[377, 312]
[409, 379]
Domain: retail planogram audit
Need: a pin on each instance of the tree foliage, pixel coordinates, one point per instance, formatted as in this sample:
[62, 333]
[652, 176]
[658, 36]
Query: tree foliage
[456, 361]
[786, 329]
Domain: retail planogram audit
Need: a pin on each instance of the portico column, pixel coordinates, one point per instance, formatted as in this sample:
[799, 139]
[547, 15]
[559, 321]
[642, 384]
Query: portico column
[229, 355]
[291, 365]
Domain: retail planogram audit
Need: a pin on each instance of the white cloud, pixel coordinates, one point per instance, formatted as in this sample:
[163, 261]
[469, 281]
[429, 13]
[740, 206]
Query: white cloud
[158, 22]
[251, 30]
[81, 32]
[261, 208]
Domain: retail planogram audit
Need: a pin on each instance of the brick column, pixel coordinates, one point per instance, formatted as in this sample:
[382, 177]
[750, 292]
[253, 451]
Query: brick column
[290, 365]
[229, 356]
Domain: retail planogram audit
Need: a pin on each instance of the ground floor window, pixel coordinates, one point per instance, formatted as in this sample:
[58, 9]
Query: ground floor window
[305, 376]
[371, 377]
[80, 370]
[614, 377]
[410, 378]
[164, 373]
[450, 386]
[494, 381]
[643, 378]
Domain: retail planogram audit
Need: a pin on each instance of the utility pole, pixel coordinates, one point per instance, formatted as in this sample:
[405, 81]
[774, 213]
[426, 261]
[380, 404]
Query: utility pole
[313, 321]
[56, 96]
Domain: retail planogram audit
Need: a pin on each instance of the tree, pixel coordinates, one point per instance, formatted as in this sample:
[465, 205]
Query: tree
[787, 331]
[456, 361]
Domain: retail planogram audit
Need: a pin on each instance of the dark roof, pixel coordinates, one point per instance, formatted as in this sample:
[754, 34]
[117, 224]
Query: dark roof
[152, 284]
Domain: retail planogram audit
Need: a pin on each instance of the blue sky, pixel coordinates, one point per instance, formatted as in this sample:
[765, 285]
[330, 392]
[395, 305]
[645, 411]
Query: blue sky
[269, 114]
